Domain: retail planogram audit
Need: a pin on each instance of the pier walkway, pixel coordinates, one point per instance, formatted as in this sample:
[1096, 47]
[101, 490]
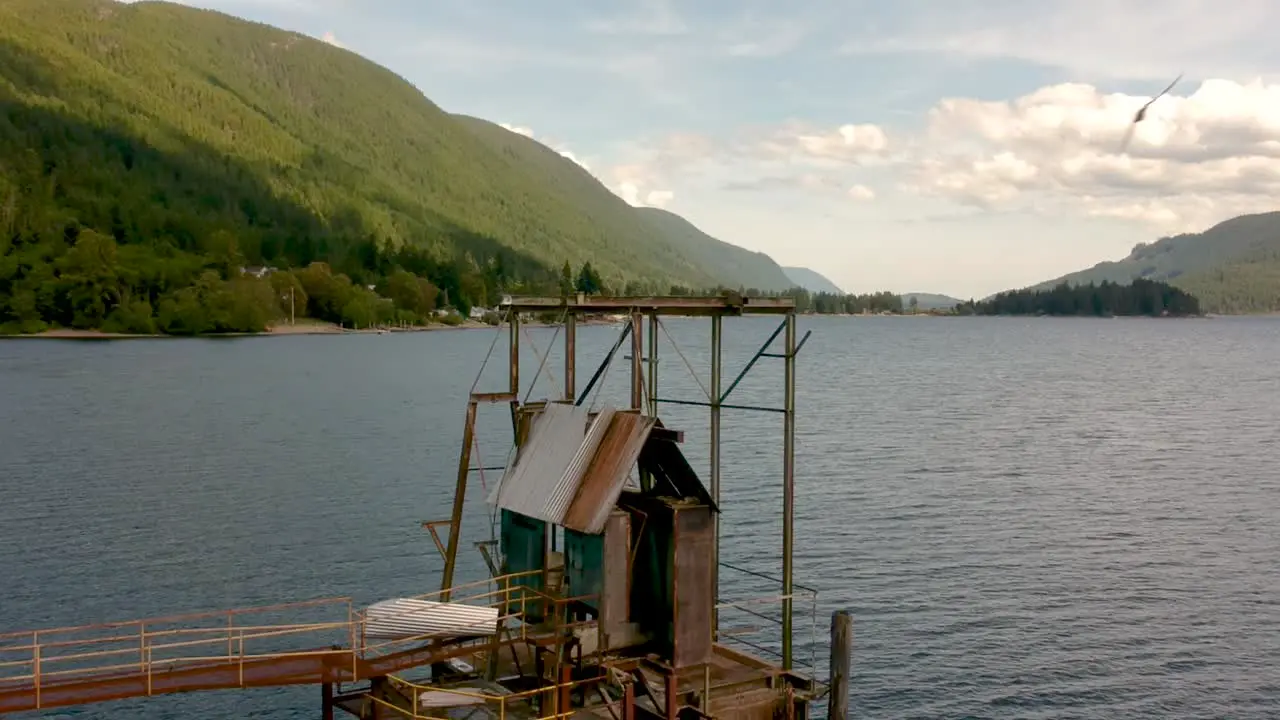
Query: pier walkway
[251, 647]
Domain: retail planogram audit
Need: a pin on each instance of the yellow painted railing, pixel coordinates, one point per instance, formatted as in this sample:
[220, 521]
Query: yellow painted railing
[494, 702]
[33, 660]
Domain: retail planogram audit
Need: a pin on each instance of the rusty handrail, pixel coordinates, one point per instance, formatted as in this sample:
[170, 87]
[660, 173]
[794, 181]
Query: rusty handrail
[142, 640]
[553, 690]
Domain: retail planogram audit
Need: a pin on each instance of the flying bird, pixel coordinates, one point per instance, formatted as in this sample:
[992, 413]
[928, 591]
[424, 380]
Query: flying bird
[1142, 114]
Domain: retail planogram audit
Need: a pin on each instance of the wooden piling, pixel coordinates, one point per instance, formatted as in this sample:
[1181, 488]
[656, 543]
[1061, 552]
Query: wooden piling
[838, 679]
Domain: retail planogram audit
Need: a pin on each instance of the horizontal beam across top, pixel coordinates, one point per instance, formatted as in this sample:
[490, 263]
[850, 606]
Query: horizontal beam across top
[675, 306]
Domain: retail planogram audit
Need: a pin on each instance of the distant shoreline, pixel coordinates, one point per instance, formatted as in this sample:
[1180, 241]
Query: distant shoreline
[309, 327]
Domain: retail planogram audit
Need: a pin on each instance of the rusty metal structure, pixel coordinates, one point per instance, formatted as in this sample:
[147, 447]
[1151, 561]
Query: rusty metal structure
[604, 597]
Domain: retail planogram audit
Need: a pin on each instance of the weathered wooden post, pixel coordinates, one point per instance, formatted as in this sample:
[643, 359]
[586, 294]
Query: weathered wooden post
[838, 680]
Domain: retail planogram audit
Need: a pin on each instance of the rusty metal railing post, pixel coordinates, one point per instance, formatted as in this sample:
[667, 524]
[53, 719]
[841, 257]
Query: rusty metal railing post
[146, 653]
[35, 664]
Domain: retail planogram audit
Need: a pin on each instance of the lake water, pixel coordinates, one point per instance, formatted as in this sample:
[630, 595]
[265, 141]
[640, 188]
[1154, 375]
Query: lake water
[1027, 518]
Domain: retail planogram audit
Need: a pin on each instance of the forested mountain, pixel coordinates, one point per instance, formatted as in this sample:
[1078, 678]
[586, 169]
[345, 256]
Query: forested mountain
[718, 262]
[148, 151]
[1233, 267]
[931, 301]
[1105, 299]
[811, 280]
[732, 266]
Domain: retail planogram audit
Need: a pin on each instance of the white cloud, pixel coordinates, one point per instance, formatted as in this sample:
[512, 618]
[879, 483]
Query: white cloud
[788, 156]
[658, 198]
[518, 129]
[632, 193]
[802, 143]
[1091, 38]
[1194, 160]
[1201, 156]
[564, 152]
[651, 17]
[861, 192]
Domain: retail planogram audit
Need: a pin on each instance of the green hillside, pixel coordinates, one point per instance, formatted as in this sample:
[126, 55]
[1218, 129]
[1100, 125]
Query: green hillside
[695, 252]
[811, 280]
[931, 301]
[184, 141]
[1233, 267]
[731, 265]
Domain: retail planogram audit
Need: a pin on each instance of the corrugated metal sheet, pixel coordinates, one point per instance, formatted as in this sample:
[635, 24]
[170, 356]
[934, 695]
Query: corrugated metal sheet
[569, 474]
[612, 458]
[531, 481]
[401, 618]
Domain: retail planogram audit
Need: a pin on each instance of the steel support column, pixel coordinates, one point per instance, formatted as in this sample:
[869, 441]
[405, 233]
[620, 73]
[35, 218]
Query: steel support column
[653, 365]
[459, 501]
[637, 369]
[788, 490]
[515, 372]
[570, 356]
[716, 343]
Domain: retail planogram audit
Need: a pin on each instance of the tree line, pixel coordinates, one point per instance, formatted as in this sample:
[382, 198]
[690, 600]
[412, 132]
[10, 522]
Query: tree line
[1141, 297]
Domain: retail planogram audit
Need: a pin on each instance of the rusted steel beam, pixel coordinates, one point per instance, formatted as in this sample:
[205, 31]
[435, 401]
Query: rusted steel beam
[570, 356]
[788, 488]
[755, 358]
[586, 392]
[430, 526]
[459, 502]
[637, 372]
[493, 397]
[672, 693]
[628, 701]
[670, 306]
[653, 364]
[675, 436]
[717, 327]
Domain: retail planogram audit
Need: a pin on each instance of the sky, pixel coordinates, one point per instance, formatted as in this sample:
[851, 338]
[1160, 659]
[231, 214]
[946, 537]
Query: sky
[953, 146]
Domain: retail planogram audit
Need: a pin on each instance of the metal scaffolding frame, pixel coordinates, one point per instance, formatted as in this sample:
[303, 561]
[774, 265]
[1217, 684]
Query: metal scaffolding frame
[570, 309]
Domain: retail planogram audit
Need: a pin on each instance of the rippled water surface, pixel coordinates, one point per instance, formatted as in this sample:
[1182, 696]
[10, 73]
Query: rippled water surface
[1027, 518]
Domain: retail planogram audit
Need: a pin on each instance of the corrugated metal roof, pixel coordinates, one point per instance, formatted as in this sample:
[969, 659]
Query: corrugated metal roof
[569, 474]
[401, 618]
[611, 461]
[538, 473]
